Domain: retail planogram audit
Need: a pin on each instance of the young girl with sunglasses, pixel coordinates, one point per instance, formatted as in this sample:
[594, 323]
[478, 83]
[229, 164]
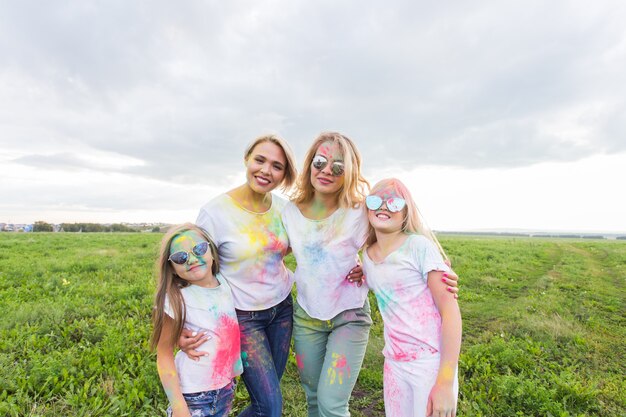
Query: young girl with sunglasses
[327, 226]
[404, 267]
[192, 294]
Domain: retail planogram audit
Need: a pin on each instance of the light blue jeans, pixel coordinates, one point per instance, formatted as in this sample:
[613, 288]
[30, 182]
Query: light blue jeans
[329, 354]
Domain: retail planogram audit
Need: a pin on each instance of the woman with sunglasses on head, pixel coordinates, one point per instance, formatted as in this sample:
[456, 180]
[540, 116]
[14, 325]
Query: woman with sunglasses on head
[252, 242]
[405, 264]
[192, 294]
[327, 226]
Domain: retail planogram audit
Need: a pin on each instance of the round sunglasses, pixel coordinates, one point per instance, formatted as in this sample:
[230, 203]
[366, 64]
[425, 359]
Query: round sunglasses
[337, 168]
[394, 204]
[182, 256]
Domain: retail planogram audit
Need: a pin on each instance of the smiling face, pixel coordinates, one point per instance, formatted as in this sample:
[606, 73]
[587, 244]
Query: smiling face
[265, 167]
[382, 219]
[322, 179]
[197, 269]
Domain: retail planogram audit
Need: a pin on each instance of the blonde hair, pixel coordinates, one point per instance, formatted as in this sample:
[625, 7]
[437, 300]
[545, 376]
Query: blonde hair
[290, 167]
[413, 222]
[170, 284]
[355, 187]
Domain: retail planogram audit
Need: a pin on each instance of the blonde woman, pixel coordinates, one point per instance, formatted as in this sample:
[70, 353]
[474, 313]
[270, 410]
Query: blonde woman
[252, 242]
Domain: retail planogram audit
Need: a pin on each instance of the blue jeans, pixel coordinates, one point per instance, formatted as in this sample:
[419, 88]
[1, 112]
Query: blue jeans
[265, 342]
[214, 403]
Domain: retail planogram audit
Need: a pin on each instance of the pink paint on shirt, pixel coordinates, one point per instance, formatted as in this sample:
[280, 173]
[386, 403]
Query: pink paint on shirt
[228, 351]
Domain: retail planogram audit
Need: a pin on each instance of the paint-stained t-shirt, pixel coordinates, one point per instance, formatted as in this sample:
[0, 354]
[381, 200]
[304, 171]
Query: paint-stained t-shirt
[400, 283]
[325, 251]
[210, 310]
[251, 249]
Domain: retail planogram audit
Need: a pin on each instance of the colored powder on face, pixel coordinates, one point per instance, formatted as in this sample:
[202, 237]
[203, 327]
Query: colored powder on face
[324, 149]
[387, 192]
[330, 150]
[189, 236]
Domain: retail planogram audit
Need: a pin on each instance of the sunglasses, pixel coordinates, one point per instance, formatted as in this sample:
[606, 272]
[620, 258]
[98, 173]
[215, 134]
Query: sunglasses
[182, 256]
[337, 168]
[394, 204]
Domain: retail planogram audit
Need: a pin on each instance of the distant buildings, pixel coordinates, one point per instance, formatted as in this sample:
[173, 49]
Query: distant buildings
[10, 227]
[88, 227]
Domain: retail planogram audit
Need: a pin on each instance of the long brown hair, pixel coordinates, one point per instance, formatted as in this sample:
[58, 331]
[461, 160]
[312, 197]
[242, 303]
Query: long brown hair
[355, 186]
[170, 284]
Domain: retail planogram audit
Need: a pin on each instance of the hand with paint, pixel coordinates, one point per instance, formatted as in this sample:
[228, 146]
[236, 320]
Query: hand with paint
[441, 401]
[356, 275]
[189, 341]
[181, 411]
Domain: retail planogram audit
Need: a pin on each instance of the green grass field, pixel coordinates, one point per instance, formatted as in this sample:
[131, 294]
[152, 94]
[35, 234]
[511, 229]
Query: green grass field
[544, 328]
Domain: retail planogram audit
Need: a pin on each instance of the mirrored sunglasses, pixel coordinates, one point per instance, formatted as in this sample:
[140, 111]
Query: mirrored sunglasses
[337, 168]
[182, 256]
[394, 204]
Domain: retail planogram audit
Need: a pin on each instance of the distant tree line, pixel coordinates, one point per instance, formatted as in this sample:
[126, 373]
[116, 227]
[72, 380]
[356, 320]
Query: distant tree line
[40, 226]
[540, 235]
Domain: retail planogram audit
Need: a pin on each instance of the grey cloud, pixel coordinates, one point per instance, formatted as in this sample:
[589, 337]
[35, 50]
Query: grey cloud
[185, 88]
[65, 161]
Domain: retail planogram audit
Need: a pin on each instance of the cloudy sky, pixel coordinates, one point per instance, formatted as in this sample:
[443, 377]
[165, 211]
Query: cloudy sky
[497, 114]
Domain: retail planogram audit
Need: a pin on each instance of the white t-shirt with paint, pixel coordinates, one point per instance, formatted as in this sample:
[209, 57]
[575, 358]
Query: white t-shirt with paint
[400, 283]
[251, 249]
[210, 310]
[325, 251]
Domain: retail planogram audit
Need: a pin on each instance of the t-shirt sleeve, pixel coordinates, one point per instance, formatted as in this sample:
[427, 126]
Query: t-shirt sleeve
[279, 203]
[361, 227]
[429, 257]
[167, 308]
[207, 221]
[285, 215]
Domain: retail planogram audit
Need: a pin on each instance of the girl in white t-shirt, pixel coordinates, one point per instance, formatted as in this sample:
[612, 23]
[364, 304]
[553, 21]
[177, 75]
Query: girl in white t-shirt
[404, 267]
[192, 294]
